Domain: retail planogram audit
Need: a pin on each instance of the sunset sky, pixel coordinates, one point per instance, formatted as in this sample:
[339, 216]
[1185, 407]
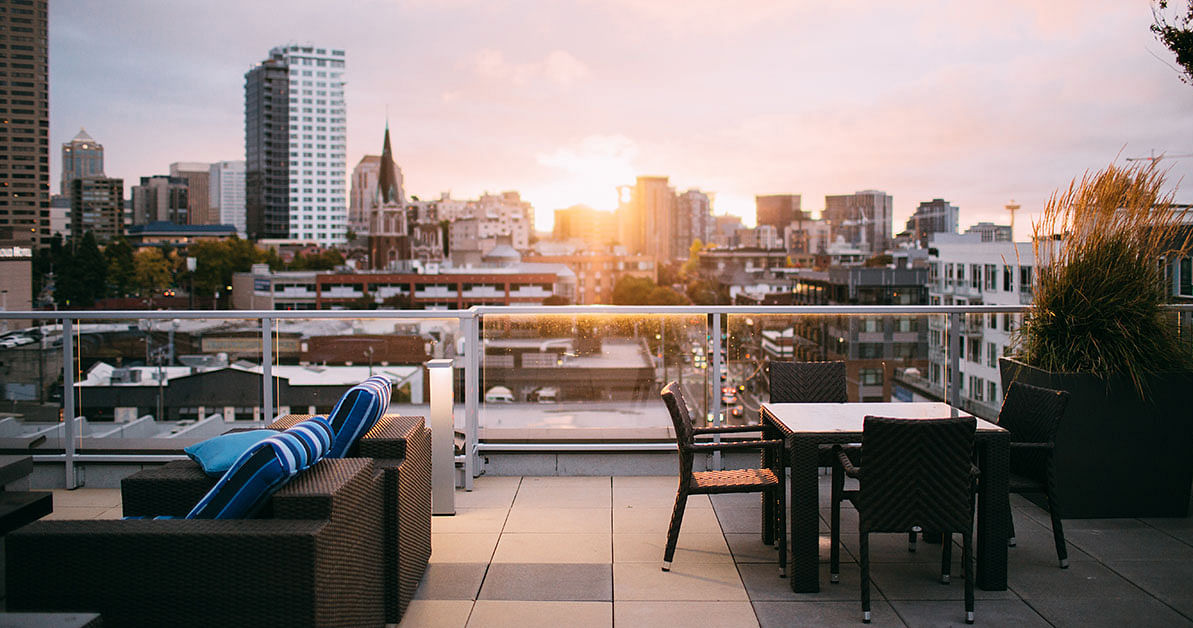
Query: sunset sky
[975, 102]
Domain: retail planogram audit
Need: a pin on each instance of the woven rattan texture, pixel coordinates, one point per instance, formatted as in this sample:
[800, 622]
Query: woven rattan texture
[259, 572]
[733, 481]
[807, 382]
[1032, 415]
[917, 472]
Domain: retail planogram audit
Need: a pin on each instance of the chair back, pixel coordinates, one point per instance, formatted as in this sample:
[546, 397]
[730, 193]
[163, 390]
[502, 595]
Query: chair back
[916, 472]
[677, 406]
[807, 382]
[1032, 415]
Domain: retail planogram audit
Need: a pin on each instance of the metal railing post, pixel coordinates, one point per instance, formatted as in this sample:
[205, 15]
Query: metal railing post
[443, 437]
[472, 375]
[68, 398]
[716, 383]
[954, 392]
[266, 369]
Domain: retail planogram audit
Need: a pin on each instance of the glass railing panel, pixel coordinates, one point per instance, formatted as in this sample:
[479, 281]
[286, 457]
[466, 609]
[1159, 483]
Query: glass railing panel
[315, 361]
[887, 357]
[31, 368]
[589, 377]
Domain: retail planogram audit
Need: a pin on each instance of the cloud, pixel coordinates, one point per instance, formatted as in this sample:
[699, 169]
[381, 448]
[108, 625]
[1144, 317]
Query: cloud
[558, 67]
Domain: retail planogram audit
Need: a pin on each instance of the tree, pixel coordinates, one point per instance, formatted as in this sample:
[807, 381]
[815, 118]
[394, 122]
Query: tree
[706, 292]
[363, 302]
[1176, 32]
[662, 295]
[152, 270]
[630, 290]
[93, 268]
[693, 264]
[122, 272]
[398, 302]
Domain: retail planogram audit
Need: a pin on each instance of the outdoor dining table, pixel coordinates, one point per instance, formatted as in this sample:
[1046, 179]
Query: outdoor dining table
[807, 426]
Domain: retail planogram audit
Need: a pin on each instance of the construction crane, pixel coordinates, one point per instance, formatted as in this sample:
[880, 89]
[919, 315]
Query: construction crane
[1154, 157]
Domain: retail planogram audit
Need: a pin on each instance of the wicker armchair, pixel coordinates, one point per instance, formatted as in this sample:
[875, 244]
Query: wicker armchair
[807, 382]
[1032, 416]
[917, 472]
[771, 482]
[312, 560]
[400, 448]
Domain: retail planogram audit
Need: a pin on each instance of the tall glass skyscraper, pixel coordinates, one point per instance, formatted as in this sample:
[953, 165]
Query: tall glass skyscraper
[296, 146]
[81, 157]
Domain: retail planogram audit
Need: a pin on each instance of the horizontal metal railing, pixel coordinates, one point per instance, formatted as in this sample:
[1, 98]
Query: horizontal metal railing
[470, 321]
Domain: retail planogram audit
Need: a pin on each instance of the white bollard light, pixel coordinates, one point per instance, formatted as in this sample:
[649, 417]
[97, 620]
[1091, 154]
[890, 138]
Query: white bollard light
[443, 437]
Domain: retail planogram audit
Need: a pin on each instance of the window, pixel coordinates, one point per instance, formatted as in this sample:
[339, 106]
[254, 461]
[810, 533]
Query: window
[871, 325]
[1025, 281]
[991, 391]
[993, 321]
[948, 274]
[991, 354]
[991, 278]
[975, 352]
[869, 350]
[1185, 287]
[960, 274]
[870, 377]
[1007, 324]
[975, 276]
[976, 387]
[1006, 279]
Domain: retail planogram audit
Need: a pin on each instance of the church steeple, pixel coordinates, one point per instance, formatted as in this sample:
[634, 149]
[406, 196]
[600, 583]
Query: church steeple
[387, 184]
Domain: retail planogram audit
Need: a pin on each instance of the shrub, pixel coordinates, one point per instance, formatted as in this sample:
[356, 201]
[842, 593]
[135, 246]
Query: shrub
[1101, 248]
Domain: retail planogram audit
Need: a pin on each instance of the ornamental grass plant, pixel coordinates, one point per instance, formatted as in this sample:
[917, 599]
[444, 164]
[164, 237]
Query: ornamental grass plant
[1102, 248]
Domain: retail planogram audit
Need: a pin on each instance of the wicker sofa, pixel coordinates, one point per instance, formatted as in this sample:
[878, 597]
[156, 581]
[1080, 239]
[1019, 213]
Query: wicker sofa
[399, 446]
[312, 559]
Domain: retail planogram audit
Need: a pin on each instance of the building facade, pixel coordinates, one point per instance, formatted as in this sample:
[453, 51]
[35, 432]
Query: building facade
[597, 272]
[502, 283]
[364, 193]
[81, 157]
[646, 218]
[267, 149]
[934, 216]
[863, 219]
[97, 205]
[779, 210]
[25, 140]
[314, 133]
[596, 228]
[161, 198]
[968, 270]
[198, 190]
[990, 232]
[227, 195]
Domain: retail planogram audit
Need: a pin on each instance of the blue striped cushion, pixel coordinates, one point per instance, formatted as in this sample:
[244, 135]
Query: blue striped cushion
[263, 469]
[357, 412]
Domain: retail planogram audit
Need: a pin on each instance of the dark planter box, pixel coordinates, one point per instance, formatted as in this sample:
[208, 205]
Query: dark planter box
[1118, 455]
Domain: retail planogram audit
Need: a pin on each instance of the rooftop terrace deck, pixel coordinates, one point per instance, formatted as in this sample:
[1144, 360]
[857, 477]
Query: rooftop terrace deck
[585, 551]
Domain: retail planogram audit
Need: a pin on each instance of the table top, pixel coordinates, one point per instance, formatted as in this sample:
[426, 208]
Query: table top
[847, 418]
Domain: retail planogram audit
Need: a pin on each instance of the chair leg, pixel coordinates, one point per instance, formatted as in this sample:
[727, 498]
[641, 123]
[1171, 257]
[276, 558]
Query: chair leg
[946, 556]
[1058, 533]
[681, 500]
[967, 558]
[1010, 524]
[835, 523]
[781, 524]
[864, 546]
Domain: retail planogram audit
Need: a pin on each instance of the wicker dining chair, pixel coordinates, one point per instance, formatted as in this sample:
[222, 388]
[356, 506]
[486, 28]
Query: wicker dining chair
[916, 472]
[770, 481]
[1032, 415]
[807, 382]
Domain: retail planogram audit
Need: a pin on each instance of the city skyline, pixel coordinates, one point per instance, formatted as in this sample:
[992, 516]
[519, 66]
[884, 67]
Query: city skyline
[974, 104]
